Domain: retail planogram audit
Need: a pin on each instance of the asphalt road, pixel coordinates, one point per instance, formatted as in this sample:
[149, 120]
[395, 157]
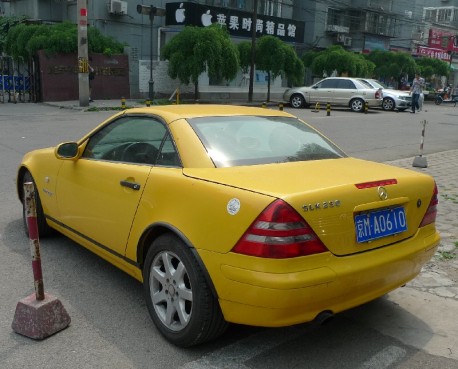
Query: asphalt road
[110, 325]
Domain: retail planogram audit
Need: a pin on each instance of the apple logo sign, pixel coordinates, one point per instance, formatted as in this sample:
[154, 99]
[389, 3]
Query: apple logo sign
[206, 19]
[179, 14]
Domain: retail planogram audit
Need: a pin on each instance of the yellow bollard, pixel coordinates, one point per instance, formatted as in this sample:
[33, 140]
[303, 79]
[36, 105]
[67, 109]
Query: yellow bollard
[148, 103]
[263, 105]
[328, 109]
[280, 106]
[366, 107]
[317, 108]
[123, 103]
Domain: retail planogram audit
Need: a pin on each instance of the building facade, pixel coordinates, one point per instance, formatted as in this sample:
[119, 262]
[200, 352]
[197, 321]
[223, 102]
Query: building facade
[419, 27]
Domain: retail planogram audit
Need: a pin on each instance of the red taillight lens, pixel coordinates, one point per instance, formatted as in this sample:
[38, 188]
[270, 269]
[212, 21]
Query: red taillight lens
[431, 212]
[378, 94]
[279, 232]
[384, 182]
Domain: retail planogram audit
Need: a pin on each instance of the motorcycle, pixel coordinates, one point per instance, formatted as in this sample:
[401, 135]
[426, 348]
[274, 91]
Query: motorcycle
[444, 97]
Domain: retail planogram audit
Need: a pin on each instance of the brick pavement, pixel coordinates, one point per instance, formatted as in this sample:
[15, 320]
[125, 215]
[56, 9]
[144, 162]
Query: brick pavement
[440, 275]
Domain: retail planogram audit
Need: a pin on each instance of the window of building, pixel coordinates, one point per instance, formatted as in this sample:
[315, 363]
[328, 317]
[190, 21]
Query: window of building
[444, 15]
[385, 5]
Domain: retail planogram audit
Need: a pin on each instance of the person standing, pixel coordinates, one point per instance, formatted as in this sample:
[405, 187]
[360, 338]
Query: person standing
[415, 90]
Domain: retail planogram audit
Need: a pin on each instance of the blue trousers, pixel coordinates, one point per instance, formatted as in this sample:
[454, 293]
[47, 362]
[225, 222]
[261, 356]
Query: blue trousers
[415, 104]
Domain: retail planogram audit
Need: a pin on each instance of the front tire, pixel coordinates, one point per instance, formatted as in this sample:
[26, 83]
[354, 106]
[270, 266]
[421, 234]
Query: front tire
[43, 228]
[388, 104]
[297, 101]
[178, 297]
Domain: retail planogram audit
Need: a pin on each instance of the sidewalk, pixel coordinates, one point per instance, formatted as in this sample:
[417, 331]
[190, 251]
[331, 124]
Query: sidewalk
[440, 275]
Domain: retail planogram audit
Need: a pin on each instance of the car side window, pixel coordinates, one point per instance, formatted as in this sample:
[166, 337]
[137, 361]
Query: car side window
[131, 139]
[328, 83]
[346, 84]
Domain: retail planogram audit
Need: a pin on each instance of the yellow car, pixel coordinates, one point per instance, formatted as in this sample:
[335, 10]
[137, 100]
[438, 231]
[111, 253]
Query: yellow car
[234, 214]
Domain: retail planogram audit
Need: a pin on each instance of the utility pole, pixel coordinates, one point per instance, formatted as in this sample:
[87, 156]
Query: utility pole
[253, 49]
[83, 64]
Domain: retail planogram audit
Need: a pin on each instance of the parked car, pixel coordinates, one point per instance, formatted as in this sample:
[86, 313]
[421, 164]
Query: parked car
[233, 214]
[392, 99]
[339, 91]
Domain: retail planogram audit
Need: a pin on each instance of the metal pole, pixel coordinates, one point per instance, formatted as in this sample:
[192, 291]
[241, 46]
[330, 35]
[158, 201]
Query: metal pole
[83, 64]
[32, 226]
[253, 49]
[151, 81]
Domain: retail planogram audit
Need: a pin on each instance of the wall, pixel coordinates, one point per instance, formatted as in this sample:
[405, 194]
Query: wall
[59, 77]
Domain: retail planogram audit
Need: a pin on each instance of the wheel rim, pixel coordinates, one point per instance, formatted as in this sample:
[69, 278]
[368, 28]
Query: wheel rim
[171, 291]
[357, 105]
[296, 101]
[388, 104]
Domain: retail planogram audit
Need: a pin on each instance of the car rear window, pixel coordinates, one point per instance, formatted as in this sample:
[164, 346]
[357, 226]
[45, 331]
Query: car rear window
[251, 140]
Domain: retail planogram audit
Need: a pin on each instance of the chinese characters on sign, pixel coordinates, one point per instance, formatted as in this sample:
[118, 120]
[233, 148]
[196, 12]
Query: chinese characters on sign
[238, 23]
[433, 53]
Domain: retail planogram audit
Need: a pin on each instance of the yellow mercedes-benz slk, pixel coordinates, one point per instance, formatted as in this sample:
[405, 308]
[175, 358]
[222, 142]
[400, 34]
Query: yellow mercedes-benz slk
[234, 214]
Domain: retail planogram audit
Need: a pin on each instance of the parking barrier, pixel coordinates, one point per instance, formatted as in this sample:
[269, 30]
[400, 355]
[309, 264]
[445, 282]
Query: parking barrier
[123, 103]
[420, 160]
[328, 109]
[280, 107]
[366, 107]
[148, 103]
[264, 105]
[317, 108]
[39, 315]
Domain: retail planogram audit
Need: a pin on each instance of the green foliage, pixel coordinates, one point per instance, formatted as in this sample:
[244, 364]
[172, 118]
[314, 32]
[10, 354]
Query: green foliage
[244, 49]
[196, 50]
[25, 40]
[278, 58]
[7, 23]
[336, 58]
[429, 67]
[389, 64]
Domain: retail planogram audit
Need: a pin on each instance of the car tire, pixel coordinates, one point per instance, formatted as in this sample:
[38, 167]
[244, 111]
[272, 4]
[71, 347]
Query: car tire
[357, 105]
[43, 228]
[388, 104]
[179, 299]
[297, 101]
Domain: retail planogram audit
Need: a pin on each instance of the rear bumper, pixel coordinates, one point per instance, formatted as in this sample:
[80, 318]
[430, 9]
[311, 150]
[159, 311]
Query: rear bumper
[275, 293]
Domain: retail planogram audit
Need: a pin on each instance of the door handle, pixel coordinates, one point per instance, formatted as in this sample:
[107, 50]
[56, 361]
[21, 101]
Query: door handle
[132, 185]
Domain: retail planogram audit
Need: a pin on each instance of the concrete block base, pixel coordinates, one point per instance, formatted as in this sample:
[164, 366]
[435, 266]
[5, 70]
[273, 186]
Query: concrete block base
[39, 319]
[420, 162]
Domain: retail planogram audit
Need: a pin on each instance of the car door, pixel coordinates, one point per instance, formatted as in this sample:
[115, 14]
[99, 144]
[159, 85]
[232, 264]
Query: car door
[98, 194]
[324, 91]
[345, 91]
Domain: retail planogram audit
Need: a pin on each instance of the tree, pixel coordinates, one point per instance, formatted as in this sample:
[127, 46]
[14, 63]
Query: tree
[25, 40]
[391, 65]
[337, 59]
[429, 67]
[196, 50]
[244, 49]
[275, 57]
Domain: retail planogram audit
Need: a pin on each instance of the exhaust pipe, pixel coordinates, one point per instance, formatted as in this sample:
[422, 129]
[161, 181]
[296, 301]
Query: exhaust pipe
[324, 317]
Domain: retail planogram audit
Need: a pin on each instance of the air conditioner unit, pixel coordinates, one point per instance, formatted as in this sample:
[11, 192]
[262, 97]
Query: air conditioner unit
[118, 7]
[340, 37]
[347, 41]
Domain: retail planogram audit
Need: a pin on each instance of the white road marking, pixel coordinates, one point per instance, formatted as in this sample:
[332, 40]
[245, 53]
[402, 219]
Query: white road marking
[384, 358]
[233, 356]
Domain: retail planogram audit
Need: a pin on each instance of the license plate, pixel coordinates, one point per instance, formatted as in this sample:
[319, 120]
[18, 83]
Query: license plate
[381, 223]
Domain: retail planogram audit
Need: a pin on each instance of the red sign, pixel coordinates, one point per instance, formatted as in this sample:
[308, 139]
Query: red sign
[444, 40]
[433, 53]
[83, 12]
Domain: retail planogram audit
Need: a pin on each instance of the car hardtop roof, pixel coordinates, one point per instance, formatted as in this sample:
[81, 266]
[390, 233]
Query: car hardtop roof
[173, 112]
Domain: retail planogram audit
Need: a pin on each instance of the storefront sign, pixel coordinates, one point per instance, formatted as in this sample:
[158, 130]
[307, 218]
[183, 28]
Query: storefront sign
[444, 40]
[238, 23]
[433, 53]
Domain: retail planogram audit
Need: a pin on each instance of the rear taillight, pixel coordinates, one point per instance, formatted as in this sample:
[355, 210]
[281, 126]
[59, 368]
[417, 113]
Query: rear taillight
[431, 212]
[279, 232]
[378, 94]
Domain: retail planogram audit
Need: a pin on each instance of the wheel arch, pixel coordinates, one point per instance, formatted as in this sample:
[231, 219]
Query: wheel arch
[20, 178]
[156, 230]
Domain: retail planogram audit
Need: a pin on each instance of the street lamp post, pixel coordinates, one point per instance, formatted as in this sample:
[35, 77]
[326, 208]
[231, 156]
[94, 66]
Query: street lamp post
[151, 11]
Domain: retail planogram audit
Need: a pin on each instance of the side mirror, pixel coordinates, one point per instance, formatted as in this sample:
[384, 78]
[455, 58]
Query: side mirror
[67, 150]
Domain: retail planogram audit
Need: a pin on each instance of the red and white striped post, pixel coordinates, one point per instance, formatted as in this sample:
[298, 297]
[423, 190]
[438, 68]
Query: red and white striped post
[420, 161]
[32, 225]
[38, 315]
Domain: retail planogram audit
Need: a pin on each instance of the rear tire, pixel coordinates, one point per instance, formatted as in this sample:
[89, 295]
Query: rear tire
[357, 105]
[178, 297]
[43, 228]
[438, 100]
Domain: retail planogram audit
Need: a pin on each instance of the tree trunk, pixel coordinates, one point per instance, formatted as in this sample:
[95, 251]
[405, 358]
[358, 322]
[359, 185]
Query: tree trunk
[268, 86]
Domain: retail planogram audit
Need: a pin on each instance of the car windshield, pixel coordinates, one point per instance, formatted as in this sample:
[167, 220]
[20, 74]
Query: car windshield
[251, 140]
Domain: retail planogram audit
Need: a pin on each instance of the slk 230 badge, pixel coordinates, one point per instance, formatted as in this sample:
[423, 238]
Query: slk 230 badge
[321, 205]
